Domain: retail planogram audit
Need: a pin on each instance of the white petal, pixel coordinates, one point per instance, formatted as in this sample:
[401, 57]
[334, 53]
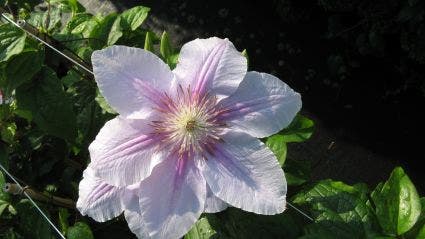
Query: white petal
[99, 200]
[129, 78]
[262, 105]
[244, 173]
[135, 223]
[123, 152]
[211, 65]
[172, 198]
[214, 204]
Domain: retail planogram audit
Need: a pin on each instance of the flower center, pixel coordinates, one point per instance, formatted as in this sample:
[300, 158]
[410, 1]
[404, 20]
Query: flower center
[189, 123]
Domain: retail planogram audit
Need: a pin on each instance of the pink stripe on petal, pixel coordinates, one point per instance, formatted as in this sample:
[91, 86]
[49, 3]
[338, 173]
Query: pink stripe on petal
[172, 198]
[124, 152]
[206, 74]
[261, 106]
[246, 174]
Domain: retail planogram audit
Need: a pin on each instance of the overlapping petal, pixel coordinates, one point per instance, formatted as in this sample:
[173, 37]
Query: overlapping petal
[214, 204]
[244, 173]
[124, 152]
[172, 198]
[262, 105]
[100, 200]
[211, 65]
[135, 223]
[131, 79]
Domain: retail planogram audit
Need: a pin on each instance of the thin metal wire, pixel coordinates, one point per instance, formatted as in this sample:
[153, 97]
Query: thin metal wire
[32, 201]
[91, 72]
[22, 22]
[300, 212]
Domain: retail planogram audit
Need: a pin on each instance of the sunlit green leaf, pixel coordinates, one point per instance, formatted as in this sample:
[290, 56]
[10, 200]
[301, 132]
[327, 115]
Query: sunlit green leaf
[129, 20]
[397, 203]
[277, 145]
[100, 33]
[201, 230]
[12, 41]
[149, 41]
[299, 130]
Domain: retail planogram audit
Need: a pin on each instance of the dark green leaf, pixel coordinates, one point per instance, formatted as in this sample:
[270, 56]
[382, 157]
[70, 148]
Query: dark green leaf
[8, 131]
[235, 223]
[299, 130]
[31, 223]
[50, 107]
[397, 203]
[31, 61]
[63, 220]
[80, 230]
[3, 205]
[340, 210]
[4, 196]
[4, 157]
[297, 172]
[12, 41]
[277, 145]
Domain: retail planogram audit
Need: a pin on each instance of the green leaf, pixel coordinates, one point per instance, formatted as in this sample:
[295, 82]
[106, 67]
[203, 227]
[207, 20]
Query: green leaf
[235, 223]
[418, 231]
[63, 220]
[397, 203]
[245, 54]
[129, 20]
[277, 145]
[299, 130]
[134, 17]
[8, 132]
[50, 107]
[101, 31]
[201, 230]
[12, 41]
[80, 230]
[297, 172]
[3, 195]
[46, 21]
[3, 205]
[31, 224]
[149, 41]
[103, 104]
[4, 157]
[31, 61]
[167, 51]
[339, 209]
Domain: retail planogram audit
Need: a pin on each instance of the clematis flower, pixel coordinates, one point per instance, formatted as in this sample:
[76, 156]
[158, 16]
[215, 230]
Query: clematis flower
[185, 141]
